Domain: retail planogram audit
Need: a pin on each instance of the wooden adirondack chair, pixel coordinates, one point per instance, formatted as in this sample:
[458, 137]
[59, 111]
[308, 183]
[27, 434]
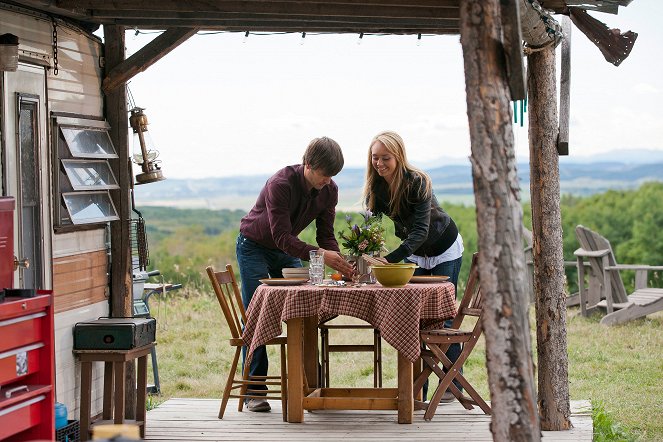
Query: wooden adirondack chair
[606, 288]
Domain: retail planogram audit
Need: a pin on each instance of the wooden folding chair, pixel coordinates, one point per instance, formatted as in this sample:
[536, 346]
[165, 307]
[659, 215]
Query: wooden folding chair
[326, 348]
[229, 297]
[438, 341]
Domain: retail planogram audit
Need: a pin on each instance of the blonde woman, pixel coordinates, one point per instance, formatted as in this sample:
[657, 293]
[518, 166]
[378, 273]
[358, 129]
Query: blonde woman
[404, 193]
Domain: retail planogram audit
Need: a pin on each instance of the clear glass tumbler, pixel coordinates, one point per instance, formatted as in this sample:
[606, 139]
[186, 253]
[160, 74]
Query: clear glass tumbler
[316, 269]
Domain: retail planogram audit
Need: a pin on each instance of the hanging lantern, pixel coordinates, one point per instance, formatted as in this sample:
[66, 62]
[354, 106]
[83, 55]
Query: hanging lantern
[143, 152]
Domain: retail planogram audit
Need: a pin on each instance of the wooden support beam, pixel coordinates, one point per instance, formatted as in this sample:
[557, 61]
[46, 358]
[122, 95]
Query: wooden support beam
[230, 18]
[118, 118]
[565, 90]
[553, 376]
[382, 9]
[513, 48]
[499, 225]
[289, 27]
[146, 57]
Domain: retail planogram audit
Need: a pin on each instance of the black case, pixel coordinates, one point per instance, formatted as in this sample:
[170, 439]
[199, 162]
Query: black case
[114, 333]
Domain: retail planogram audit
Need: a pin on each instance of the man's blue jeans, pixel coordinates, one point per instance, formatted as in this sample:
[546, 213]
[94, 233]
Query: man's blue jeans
[257, 262]
[452, 270]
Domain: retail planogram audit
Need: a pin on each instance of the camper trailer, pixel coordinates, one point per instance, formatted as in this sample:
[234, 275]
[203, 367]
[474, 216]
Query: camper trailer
[55, 155]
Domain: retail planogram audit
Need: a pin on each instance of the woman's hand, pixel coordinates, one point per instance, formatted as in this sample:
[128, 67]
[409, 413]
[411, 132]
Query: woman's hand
[336, 261]
[381, 259]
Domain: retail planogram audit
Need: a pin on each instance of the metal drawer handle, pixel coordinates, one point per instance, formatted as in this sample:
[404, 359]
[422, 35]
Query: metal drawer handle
[11, 391]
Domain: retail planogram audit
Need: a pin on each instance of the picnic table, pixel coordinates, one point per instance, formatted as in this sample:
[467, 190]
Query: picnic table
[399, 314]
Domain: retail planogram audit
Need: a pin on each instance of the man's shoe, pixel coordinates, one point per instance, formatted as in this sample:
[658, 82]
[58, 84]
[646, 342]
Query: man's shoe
[258, 405]
[447, 397]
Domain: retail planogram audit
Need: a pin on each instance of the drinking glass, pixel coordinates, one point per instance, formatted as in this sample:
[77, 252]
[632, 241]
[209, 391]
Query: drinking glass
[316, 270]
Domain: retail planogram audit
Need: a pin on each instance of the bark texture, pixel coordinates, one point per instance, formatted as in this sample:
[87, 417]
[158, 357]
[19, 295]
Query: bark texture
[121, 283]
[499, 222]
[553, 399]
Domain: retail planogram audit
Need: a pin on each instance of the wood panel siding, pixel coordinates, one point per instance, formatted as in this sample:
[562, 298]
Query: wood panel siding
[80, 280]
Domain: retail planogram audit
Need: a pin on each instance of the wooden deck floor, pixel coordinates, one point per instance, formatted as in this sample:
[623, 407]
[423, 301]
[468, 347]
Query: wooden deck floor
[195, 420]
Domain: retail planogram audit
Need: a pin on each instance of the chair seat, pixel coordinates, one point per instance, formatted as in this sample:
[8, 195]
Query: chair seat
[639, 297]
[279, 340]
[446, 336]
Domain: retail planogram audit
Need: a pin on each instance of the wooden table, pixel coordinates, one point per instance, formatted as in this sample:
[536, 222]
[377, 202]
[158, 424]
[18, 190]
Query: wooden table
[114, 370]
[398, 313]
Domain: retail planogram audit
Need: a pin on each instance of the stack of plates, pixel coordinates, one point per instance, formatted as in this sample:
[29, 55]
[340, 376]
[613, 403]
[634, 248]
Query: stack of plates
[295, 272]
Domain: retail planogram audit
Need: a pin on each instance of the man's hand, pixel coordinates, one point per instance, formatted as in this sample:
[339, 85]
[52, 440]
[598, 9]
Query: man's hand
[337, 262]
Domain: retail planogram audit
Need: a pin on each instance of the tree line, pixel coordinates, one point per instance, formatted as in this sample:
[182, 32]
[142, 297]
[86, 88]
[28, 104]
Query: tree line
[183, 242]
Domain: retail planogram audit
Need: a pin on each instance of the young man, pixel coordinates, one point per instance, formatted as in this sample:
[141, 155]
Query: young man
[291, 199]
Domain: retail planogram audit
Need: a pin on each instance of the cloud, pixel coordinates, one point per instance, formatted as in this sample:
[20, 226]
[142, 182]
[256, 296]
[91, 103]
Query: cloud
[645, 89]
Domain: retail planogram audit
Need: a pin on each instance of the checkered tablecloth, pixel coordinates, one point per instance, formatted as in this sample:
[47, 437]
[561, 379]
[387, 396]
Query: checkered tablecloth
[399, 313]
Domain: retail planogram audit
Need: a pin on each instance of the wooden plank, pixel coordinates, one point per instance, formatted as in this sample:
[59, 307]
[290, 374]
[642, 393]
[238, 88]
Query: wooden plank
[82, 261]
[565, 90]
[195, 420]
[80, 280]
[146, 57]
[310, 26]
[425, 9]
[513, 49]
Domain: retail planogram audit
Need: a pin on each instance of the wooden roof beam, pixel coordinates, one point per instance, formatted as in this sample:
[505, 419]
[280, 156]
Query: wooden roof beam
[322, 27]
[439, 9]
[146, 57]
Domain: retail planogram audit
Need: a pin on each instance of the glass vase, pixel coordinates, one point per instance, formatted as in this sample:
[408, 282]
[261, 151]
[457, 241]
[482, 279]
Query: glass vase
[363, 268]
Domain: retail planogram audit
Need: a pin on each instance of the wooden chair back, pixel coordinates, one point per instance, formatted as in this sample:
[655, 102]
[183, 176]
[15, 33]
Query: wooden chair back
[472, 300]
[229, 297]
[592, 241]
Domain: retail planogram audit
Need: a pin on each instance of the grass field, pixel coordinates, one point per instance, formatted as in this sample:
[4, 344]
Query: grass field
[620, 369]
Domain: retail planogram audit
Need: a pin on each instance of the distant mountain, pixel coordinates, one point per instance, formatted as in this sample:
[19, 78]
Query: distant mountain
[451, 183]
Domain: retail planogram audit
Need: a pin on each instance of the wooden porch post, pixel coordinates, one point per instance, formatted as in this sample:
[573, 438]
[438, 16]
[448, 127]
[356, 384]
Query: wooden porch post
[121, 282]
[497, 196]
[553, 380]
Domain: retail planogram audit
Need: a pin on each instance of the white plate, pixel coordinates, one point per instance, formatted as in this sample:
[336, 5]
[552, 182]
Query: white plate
[284, 281]
[428, 278]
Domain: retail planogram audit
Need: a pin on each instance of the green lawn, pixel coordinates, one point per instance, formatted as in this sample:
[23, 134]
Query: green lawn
[618, 368]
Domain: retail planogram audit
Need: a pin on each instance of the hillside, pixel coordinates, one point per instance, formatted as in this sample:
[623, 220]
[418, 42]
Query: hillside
[452, 183]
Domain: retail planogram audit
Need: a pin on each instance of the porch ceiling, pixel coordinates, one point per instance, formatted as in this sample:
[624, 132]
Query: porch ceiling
[341, 16]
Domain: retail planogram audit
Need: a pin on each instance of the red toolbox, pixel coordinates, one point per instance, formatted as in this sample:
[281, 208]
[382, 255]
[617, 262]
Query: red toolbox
[27, 368]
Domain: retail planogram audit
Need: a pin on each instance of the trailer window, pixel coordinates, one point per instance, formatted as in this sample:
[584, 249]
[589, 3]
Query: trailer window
[84, 180]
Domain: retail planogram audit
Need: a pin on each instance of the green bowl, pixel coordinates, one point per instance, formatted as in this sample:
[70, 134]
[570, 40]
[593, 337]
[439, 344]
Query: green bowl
[393, 275]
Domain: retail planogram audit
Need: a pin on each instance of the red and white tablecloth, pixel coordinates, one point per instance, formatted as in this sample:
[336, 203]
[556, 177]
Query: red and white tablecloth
[399, 313]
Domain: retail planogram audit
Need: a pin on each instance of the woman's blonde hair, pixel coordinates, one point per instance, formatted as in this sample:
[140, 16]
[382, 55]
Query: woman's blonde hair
[399, 187]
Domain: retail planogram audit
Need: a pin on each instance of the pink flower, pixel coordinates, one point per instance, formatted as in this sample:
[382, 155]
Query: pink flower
[362, 245]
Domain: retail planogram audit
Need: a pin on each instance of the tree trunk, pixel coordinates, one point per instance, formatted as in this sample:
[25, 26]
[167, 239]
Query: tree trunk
[549, 291]
[499, 222]
[121, 283]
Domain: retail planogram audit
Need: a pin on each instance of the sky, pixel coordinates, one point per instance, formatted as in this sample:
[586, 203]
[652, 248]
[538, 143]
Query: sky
[224, 105]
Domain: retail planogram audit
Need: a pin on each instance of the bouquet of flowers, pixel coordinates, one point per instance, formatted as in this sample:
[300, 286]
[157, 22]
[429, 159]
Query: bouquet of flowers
[367, 237]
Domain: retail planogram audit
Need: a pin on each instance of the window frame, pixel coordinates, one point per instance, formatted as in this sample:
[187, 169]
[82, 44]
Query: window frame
[63, 220]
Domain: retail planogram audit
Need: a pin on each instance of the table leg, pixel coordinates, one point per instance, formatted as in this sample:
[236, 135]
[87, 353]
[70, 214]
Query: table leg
[86, 393]
[311, 351]
[295, 370]
[119, 370]
[140, 393]
[405, 399]
[108, 391]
